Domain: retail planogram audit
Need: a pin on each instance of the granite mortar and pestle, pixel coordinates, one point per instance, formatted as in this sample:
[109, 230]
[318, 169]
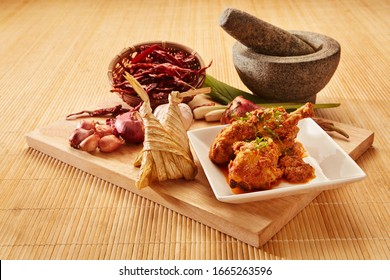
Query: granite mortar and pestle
[279, 65]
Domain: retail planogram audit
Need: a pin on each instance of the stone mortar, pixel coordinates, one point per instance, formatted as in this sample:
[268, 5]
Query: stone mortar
[288, 78]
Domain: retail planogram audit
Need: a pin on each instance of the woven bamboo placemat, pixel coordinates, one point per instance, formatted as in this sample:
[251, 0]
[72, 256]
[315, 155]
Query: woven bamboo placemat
[53, 61]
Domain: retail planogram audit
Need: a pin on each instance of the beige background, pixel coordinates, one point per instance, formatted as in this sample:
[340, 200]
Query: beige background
[53, 61]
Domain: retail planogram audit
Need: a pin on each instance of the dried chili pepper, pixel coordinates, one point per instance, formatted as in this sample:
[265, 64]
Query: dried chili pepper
[165, 56]
[158, 70]
[114, 111]
[140, 56]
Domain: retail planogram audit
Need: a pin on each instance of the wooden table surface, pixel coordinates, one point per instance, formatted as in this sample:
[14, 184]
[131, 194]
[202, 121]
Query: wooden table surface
[53, 61]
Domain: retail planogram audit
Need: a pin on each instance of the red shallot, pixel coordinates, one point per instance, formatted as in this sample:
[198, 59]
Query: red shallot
[237, 109]
[87, 124]
[104, 129]
[110, 143]
[90, 143]
[103, 137]
[130, 127]
[78, 135]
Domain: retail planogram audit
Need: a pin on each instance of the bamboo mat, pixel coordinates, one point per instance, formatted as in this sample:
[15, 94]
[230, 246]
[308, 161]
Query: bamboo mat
[53, 61]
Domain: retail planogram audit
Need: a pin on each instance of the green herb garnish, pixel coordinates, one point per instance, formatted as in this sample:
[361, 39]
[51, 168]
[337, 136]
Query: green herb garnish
[271, 132]
[261, 142]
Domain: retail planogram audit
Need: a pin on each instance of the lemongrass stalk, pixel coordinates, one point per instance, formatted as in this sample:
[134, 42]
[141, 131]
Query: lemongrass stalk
[224, 94]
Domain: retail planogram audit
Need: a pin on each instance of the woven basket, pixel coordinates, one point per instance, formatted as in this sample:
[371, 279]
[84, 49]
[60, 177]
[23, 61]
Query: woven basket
[172, 48]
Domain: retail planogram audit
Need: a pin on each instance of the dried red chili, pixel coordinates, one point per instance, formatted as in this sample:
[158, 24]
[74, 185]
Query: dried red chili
[158, 70]
[113, 111]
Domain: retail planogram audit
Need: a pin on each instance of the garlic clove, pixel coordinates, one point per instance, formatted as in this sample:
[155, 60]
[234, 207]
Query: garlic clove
[214, 116]
[78, 135]
[110, 143]
[90, 143]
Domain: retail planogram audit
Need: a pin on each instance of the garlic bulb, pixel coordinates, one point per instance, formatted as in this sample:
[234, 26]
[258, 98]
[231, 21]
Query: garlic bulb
[186, 113]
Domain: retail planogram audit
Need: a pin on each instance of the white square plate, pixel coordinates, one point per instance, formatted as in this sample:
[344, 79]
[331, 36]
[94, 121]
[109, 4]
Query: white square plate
[333, 166]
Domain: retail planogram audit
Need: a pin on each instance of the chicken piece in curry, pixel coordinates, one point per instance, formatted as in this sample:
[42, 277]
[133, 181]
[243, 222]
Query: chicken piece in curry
[255, 165]
[261, 149]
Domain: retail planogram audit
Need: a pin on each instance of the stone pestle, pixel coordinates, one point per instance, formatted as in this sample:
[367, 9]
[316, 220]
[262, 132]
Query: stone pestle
[262, 37]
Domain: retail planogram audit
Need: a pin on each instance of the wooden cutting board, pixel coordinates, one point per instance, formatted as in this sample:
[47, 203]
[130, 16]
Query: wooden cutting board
[253, 223]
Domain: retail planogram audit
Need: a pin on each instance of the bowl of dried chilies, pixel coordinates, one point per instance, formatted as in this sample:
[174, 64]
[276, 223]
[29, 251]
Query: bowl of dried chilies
[160, 67]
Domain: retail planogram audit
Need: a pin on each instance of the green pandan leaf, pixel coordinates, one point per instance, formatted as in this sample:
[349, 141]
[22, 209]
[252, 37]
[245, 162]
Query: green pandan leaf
[224, 94]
